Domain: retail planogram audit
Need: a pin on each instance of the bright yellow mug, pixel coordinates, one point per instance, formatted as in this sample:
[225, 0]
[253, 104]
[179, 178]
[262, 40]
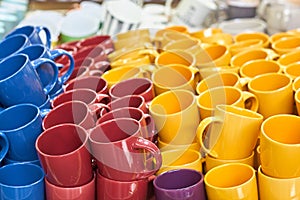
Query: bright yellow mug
[176, 76]
[180, 159]
[274, 92]
[231, 181]
[209, 99]
[280, 146]
[172, 112]
[232, 133]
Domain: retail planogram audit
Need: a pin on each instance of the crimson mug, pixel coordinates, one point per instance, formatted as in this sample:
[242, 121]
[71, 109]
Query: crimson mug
[75, 112]
[120, 151]
[146, 121]
[63, 151]
[85, 95]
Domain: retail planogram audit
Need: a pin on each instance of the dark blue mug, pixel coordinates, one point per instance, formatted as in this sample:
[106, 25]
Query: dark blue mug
[22, 181]
[21, 124]
[45, 72]
[34, 34]
[12, 45]
[19, 83]
[4, 145]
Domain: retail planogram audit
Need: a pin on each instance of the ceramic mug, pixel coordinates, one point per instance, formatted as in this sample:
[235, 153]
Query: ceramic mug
[241, 184]
[13, 45]
[129, 161]
[18, 70]
[64, 154]
[271, 90]
[22, 181]
[277, 150]
[33, 34]
[85, 191]
[21, 124]
[227, 123]
[171, 112]
[172, 77]
[180, 159]
[229, 95]
[191, 186]
[277, 188]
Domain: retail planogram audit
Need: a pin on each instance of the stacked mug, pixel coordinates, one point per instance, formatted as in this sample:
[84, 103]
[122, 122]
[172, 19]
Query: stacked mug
[29, 77]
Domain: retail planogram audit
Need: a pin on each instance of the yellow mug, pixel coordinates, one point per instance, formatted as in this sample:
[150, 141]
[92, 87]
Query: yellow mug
[292, 70]
[233, 132]
[218, 38]
[231, 181]
[116, 75]
[211, 162]
[172, 36]
[286, 45]
[172, 112]
[253, 35]
[296, 84]
[180, 159]
[289, 58]
[163, 146]
[207, 71]
[222, 78]
[281, 35]
[178, 28]
[142, 40]
[204, 33]
[280, 146]
[213, 55]
[133, 34]
[176, 76]
[297, 99]
[237, 47]
[175, 57]
[190, 45]
[274, 92]
[252, 54]
[277, 188]
[257, 67]
[209, 99]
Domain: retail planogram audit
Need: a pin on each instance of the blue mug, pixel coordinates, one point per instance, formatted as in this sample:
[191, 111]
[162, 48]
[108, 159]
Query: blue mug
[12, 45]
[7, 161]
[45, 72]
[19, 83]
[33, 33]
[22, 181]
[21, 124]
[4, 145]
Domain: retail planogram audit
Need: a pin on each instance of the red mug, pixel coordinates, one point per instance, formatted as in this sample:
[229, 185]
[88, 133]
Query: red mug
[104, 40]
[81, 192]
[97, 53]
[63, 151]
[120, 151]
[85, 95]
[146, 121]
[96, 83]
[74, 112]
[133, 86]
[108, 189]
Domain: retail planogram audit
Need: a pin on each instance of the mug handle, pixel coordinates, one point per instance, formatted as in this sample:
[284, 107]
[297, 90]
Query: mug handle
[251, 99]
[200, 131]
[44, 112]
[149, 128]
[4, 150]
[37, 63]
[142, 143]
[47, 32]
[103, 98]
[60, 52]
[97, 109]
